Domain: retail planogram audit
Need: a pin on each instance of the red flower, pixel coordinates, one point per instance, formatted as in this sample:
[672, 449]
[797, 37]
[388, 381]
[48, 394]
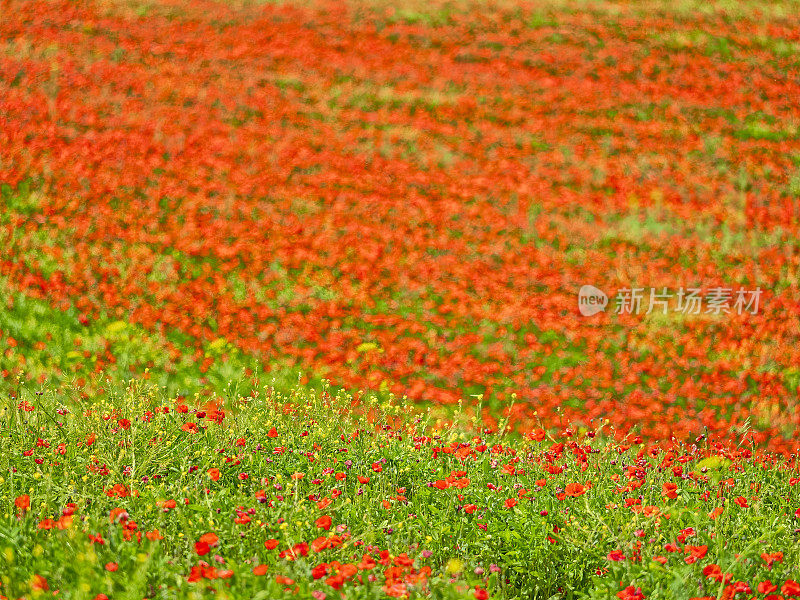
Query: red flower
[39, 583]
[190, 428]
[324, 522]
[320, 571]
[791, 588]
[511, 502]
[367, 563]
[630, 593]
[713, 572]
[616, 555]
[669, 490]
[202, 548]
[695, 553]
[766, 587]
[335, 581]
[574, 490]
[537, 435]
[23, 502]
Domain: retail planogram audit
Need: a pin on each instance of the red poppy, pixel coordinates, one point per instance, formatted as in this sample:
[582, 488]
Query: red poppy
[791, 588]
[39, 583]
[202, 548]
[574, 490]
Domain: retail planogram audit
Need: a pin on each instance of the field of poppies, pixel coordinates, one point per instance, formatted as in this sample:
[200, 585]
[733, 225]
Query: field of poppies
[447, 299]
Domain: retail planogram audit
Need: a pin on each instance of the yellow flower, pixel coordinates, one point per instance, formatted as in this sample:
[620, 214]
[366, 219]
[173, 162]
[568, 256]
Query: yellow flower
[454, 566]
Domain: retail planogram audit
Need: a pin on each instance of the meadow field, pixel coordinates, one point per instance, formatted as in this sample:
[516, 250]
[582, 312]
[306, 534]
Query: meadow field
[360, 299]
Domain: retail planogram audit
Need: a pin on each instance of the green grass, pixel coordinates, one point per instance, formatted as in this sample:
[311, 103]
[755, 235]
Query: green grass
[129, 448]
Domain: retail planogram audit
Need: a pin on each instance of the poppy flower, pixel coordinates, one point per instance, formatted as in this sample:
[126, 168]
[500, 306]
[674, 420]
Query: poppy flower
[669, 490]
[631, 593]
[766, 587]
[202, 548]
[574, 490]
[319, 544]
[695, 553]
[320, 571]
[791, 588]
[39, 583]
